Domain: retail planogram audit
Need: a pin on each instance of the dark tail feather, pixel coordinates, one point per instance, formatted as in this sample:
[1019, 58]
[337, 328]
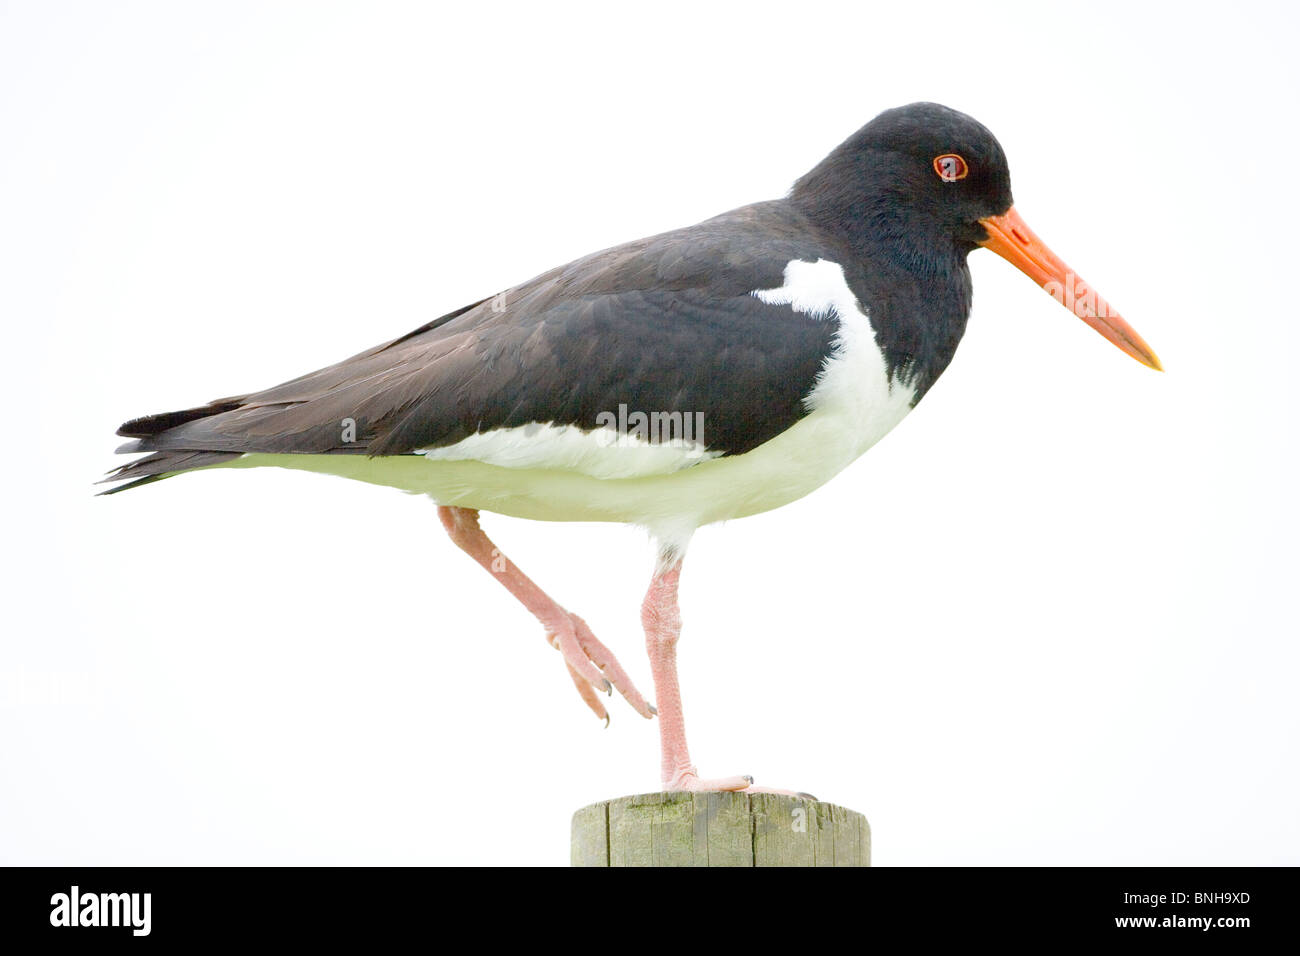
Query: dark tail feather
[163, 464]
[151, 425]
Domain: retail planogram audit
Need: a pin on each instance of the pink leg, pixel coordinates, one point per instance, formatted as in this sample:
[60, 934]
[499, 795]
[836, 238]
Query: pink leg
[590, 663]
[663, 626]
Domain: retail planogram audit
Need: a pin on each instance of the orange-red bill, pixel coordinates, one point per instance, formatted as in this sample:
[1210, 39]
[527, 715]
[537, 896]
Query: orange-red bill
[1014, 241]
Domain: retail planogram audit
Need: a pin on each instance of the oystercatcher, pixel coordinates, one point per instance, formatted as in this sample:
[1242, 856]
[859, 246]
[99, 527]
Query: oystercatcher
[709, 373]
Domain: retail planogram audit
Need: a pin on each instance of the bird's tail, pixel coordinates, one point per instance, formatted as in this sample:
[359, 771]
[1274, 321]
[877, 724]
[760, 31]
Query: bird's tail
[149, 430]
[162, 464]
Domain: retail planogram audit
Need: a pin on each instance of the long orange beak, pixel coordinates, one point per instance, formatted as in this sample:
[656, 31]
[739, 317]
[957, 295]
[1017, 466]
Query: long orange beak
[1014, 241]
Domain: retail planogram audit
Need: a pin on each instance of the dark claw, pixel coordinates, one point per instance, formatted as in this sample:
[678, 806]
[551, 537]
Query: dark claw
[653, 709]
[607, 721]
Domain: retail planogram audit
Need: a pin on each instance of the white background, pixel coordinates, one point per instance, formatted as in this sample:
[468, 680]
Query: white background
[1050, 619]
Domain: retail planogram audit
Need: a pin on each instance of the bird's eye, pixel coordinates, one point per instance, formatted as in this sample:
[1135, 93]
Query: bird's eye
[950, 167]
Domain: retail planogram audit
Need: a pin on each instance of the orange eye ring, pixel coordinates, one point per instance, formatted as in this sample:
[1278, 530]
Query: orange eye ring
[950, 167]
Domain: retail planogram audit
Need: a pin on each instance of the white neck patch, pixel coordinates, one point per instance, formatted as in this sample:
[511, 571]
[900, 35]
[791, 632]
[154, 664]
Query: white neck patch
[816, 288]
[854, 384]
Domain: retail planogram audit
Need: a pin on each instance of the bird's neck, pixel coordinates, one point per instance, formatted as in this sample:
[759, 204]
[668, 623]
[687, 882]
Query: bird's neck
[886, 232]
[912, 278]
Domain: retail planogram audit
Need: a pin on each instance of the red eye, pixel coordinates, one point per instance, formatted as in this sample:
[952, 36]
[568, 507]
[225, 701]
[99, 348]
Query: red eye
[950, 167]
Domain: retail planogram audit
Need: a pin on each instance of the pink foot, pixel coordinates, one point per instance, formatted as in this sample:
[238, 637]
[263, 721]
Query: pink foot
[593, 666]
[689, 781]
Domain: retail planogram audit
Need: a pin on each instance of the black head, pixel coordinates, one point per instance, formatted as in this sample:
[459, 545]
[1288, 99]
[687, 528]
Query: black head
[913, 185]
[919, 187]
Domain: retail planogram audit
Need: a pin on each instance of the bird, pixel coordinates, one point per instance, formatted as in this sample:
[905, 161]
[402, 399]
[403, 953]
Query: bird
[704, 374]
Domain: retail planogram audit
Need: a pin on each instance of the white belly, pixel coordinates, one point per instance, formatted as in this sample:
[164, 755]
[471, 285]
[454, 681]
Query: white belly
[560, 473]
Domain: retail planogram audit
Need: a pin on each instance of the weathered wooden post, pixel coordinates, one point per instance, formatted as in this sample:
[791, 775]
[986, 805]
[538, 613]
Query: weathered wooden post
[719, 829]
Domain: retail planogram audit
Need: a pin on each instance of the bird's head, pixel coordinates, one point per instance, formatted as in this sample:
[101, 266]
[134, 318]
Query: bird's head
[924, 185]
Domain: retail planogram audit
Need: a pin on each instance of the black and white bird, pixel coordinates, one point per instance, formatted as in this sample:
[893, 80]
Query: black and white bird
[700, 375]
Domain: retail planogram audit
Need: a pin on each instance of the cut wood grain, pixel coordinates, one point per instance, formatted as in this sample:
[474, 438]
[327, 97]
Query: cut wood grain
[719, 829]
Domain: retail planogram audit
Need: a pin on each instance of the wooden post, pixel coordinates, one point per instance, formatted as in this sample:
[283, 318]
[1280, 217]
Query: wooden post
[719, 829]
